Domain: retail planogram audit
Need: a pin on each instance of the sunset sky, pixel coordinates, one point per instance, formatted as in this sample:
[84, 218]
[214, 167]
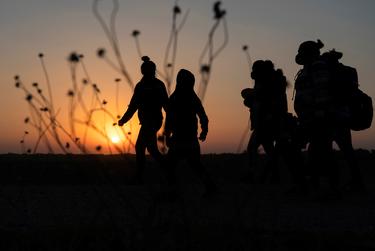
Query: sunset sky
[273, 29]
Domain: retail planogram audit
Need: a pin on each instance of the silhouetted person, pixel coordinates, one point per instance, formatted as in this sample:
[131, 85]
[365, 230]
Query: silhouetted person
[315, 107]
[268, 110]
[181, 128]
[345, 83]
[149, 97]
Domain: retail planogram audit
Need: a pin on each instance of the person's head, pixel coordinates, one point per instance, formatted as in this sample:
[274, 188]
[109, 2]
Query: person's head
[280, 78]
[308, 52]
[185, 80]
[148, 68]
[332, 56]
[262, 69]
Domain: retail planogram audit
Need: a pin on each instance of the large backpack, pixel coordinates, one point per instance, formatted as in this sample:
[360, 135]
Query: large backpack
[359, 104]
[343, 101]
[361, 111]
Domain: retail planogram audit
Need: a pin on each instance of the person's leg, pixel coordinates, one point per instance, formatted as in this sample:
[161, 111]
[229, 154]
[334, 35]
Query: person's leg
[313, 165]
[343, 139]
[330, 162]
[153, 149]
[170, 168]
[140, 148]
[194, 161]
[271, 168]
[171, 164]
[322, 157]
[292, 156]
[252, 152]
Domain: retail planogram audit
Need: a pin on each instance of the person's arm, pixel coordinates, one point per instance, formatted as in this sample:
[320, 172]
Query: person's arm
[132, 108]
[165, 98]
[203, 120]
[168, 121]
[168, 125]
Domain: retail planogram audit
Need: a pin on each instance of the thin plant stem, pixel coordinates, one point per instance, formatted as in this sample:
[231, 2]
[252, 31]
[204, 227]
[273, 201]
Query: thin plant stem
[211, 54]
[50, 103]
[111, 35]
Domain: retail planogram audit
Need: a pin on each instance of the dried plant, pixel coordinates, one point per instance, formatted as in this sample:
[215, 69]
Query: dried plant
[44, 119]
[170, 56]
[111, 34]
[43, 115]
[209, 53]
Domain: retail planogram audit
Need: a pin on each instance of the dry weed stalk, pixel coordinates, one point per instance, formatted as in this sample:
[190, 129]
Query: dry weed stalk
[44, 117]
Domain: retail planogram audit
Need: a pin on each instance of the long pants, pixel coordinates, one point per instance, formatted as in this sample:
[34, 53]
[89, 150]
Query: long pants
[262, 138]
[343, 139]
[321, 157]
[147, 139]
[189, 150]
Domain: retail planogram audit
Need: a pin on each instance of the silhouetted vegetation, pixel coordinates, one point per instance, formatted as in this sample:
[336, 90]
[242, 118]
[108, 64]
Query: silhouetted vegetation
[44, 118]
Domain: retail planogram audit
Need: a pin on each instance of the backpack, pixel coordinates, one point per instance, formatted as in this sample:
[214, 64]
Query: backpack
[248, 96]
[361, 111]
[359, 104]
[343, 101]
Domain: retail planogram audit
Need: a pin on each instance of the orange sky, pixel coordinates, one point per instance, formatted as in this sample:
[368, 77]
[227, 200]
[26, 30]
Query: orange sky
[273, 30]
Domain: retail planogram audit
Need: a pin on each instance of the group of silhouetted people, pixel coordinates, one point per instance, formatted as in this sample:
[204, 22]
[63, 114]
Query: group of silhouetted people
[322, 94]
[324, 89]
[181, 124]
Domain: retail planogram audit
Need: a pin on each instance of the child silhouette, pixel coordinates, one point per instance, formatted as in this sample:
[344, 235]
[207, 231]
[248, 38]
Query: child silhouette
[181, 127]
[150, 96]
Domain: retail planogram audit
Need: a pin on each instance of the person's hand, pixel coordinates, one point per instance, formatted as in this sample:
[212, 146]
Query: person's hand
[120, 122]
[168, 141]
[202, 136]
[167, 137]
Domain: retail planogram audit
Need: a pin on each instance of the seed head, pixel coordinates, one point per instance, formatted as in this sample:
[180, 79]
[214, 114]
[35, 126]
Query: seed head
[71, 93]
[205, 68]
[73, 57]
[101, 52]
[29, 97]
[219, 13]
[176, 10]
[136, 33]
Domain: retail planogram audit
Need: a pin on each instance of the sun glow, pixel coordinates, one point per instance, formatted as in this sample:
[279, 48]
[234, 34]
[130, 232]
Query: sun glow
[115, 139]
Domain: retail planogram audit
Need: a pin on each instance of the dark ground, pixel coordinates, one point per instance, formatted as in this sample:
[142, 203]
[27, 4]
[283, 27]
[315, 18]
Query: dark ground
[80, 202]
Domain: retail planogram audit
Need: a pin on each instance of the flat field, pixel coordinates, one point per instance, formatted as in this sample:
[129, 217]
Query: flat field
[90, 202]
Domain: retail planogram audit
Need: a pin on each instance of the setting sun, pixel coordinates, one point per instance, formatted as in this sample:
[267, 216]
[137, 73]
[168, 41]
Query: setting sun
[115, 139]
